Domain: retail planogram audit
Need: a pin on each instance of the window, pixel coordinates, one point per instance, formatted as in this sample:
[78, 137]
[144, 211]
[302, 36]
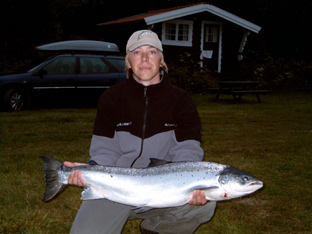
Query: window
[61, 66]
[89, 65]
[177, 32]
[119, 64]
[211, 33]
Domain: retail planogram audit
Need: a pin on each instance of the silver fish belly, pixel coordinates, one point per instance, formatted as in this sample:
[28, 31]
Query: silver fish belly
[167, 185]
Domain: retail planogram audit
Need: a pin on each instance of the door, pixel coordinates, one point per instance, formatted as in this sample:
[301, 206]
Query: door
[211, 46]
[95, 76]
[56, 80]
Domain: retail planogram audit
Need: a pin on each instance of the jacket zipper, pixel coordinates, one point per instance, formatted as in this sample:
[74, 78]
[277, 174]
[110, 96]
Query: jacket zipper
[144, 125]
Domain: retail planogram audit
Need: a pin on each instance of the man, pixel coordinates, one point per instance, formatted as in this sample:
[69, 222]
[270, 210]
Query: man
[144, 117]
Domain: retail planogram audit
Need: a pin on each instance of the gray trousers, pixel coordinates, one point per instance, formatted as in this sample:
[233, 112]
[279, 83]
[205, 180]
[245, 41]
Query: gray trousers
[107, 217]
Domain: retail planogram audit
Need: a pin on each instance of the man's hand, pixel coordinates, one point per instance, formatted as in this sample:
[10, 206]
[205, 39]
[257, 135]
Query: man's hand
[198, 199]
[75, 178]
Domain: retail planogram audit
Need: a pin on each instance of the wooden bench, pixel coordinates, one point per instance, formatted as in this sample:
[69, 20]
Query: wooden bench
[241, 92]
[238, 88]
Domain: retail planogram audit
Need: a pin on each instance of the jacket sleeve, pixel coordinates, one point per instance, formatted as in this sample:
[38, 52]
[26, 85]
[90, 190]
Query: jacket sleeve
[187, 136]
[104, 148]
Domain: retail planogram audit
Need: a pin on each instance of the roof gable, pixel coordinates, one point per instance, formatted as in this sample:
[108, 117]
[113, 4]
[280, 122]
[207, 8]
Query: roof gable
[157, 16]
[198, 9]
[141, 17]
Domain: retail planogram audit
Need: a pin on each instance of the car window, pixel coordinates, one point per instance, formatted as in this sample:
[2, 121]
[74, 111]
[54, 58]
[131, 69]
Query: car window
[119, 64]
[90, 65]
[61, 66]
[34, 68]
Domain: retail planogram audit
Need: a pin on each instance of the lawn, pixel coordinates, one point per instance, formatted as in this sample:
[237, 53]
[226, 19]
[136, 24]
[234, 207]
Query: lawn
[271, 140]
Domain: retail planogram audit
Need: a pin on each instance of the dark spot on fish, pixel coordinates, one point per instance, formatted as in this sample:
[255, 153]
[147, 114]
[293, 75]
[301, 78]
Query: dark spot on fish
[111, 176]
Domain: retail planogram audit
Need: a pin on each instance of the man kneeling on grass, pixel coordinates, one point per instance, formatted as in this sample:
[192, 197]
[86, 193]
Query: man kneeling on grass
[144, 117]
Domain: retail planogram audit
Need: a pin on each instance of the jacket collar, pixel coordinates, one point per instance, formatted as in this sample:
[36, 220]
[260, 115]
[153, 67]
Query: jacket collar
[152, 91]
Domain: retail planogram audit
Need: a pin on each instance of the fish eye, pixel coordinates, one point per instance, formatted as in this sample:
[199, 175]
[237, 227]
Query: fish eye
[246, 178]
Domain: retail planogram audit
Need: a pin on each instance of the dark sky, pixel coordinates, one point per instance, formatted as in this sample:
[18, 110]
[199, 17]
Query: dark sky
[286, 24]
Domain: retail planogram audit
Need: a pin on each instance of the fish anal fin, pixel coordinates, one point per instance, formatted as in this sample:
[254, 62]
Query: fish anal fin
[142, 209]
[90, 193]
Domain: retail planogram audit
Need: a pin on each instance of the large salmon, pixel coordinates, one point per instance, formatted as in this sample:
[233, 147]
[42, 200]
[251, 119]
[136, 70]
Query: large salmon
[166, 185]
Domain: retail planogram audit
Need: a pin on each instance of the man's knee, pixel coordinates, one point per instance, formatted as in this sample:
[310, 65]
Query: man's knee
[184, 219]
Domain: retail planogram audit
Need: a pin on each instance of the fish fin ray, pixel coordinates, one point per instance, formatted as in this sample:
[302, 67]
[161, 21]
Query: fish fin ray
[202, 187]
[90, 193]
[53, 186]
[154, 162]
[142, 209]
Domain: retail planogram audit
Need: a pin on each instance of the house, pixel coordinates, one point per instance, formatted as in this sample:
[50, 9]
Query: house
[201, 34]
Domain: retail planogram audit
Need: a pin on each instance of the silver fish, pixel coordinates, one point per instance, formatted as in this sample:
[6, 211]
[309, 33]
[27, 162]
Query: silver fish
[160, 186]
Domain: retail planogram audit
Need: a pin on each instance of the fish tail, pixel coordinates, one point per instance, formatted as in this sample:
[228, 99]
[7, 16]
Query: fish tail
[53, 186]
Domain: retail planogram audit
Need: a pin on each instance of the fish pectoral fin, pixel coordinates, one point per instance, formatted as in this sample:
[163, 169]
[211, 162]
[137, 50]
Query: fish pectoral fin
[201, 187]
[90, 193]
[141, 209]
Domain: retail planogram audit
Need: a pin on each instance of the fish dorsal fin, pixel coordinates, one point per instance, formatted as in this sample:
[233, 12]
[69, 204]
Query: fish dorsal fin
[154, 162]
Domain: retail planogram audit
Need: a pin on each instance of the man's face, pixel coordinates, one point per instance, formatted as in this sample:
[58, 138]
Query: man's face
[145, 63]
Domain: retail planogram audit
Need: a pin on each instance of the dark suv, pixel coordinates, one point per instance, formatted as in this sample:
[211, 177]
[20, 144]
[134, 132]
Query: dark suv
[62, 77]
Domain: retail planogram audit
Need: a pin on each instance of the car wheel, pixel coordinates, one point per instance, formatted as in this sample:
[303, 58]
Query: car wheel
[14, 100]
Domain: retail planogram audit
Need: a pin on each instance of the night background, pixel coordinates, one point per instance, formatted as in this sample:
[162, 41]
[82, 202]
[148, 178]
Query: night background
[285, 37]
[271, 140]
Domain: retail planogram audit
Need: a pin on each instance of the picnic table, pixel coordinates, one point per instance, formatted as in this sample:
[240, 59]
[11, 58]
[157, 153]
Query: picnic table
[239, 88]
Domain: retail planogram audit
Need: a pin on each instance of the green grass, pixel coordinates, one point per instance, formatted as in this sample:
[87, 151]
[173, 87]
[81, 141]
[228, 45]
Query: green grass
[271, 140]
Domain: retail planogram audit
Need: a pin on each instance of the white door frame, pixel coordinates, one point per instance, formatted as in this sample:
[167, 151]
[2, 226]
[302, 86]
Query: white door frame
[203, 39]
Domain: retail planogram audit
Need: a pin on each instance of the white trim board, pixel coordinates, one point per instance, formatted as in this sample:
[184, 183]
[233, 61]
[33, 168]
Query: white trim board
[201, 8]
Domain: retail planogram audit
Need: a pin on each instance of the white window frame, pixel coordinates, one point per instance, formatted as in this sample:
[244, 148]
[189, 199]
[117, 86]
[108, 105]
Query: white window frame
[213, 36]
[175, 42]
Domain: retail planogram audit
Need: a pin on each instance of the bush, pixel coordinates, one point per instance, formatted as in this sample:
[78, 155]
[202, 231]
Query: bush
[275, 73]
[192, 78]
[280, 73]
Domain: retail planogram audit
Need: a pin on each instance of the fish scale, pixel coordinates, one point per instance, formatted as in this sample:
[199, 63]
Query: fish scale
[165, 185]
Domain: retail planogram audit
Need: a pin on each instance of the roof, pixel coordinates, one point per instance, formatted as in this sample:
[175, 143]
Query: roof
[80, 45]
[141, 17]
[156, 16]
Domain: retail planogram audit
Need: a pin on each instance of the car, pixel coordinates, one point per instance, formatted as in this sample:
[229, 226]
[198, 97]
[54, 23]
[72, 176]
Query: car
[62, 77]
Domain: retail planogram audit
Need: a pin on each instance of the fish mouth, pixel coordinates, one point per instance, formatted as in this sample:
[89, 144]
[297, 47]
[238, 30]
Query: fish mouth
[256, 184]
